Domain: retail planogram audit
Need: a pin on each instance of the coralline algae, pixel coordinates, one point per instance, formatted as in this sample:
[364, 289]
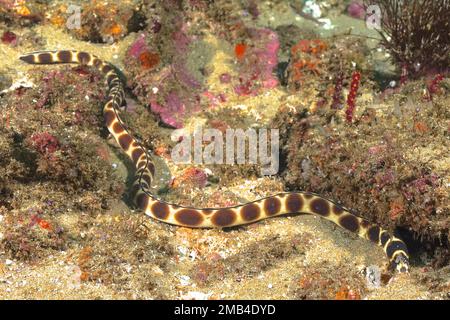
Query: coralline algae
[256, 71]
[172, 112]
[138, 46]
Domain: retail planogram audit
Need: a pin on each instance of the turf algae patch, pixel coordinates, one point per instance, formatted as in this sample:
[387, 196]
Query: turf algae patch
[137, 255]
[47, 168]
[325, 282]
[254, 258]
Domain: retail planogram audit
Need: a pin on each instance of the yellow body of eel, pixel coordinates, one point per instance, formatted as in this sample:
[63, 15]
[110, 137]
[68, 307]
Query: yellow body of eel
[282, 203]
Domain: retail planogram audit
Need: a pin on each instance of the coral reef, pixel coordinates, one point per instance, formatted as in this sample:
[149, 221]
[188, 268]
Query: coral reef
[48, 163]
[305, 59]
[102, 21]
[376, 161]
[170, 89]
[256, 63]
[337, 286]
[21, 12]
[67, 220]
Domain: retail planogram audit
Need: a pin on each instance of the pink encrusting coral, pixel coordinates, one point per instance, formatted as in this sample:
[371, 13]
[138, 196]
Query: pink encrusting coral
[138, 47]
[176, 105]
[44, 143]
[171, 89]
[256, 71]
[181, 40]
[213, 99]
[174, 92]
[183, 75]
[173, 112]
[356, 10]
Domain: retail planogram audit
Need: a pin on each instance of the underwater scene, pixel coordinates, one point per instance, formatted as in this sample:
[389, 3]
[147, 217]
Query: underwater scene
[225, 150]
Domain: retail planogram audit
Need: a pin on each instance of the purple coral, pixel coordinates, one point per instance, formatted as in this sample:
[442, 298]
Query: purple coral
[356, 10]
[181, 41]
[183, 75]
[271, 55]
[173, 112]
[138, 46]
[173, 91]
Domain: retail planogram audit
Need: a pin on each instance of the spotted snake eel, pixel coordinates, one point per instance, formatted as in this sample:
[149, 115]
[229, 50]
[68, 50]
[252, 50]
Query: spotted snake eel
[275, 205]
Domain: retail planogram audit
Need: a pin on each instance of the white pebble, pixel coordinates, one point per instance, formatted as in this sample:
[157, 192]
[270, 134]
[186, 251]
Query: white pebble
[417, 66]
[196, 295]
[8, 262]
[183, 250]
[327, 25]
[312, 8]
[184, 280]
[193, 255]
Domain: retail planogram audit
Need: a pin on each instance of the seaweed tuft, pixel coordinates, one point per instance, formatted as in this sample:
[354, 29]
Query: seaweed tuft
[416, 33]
